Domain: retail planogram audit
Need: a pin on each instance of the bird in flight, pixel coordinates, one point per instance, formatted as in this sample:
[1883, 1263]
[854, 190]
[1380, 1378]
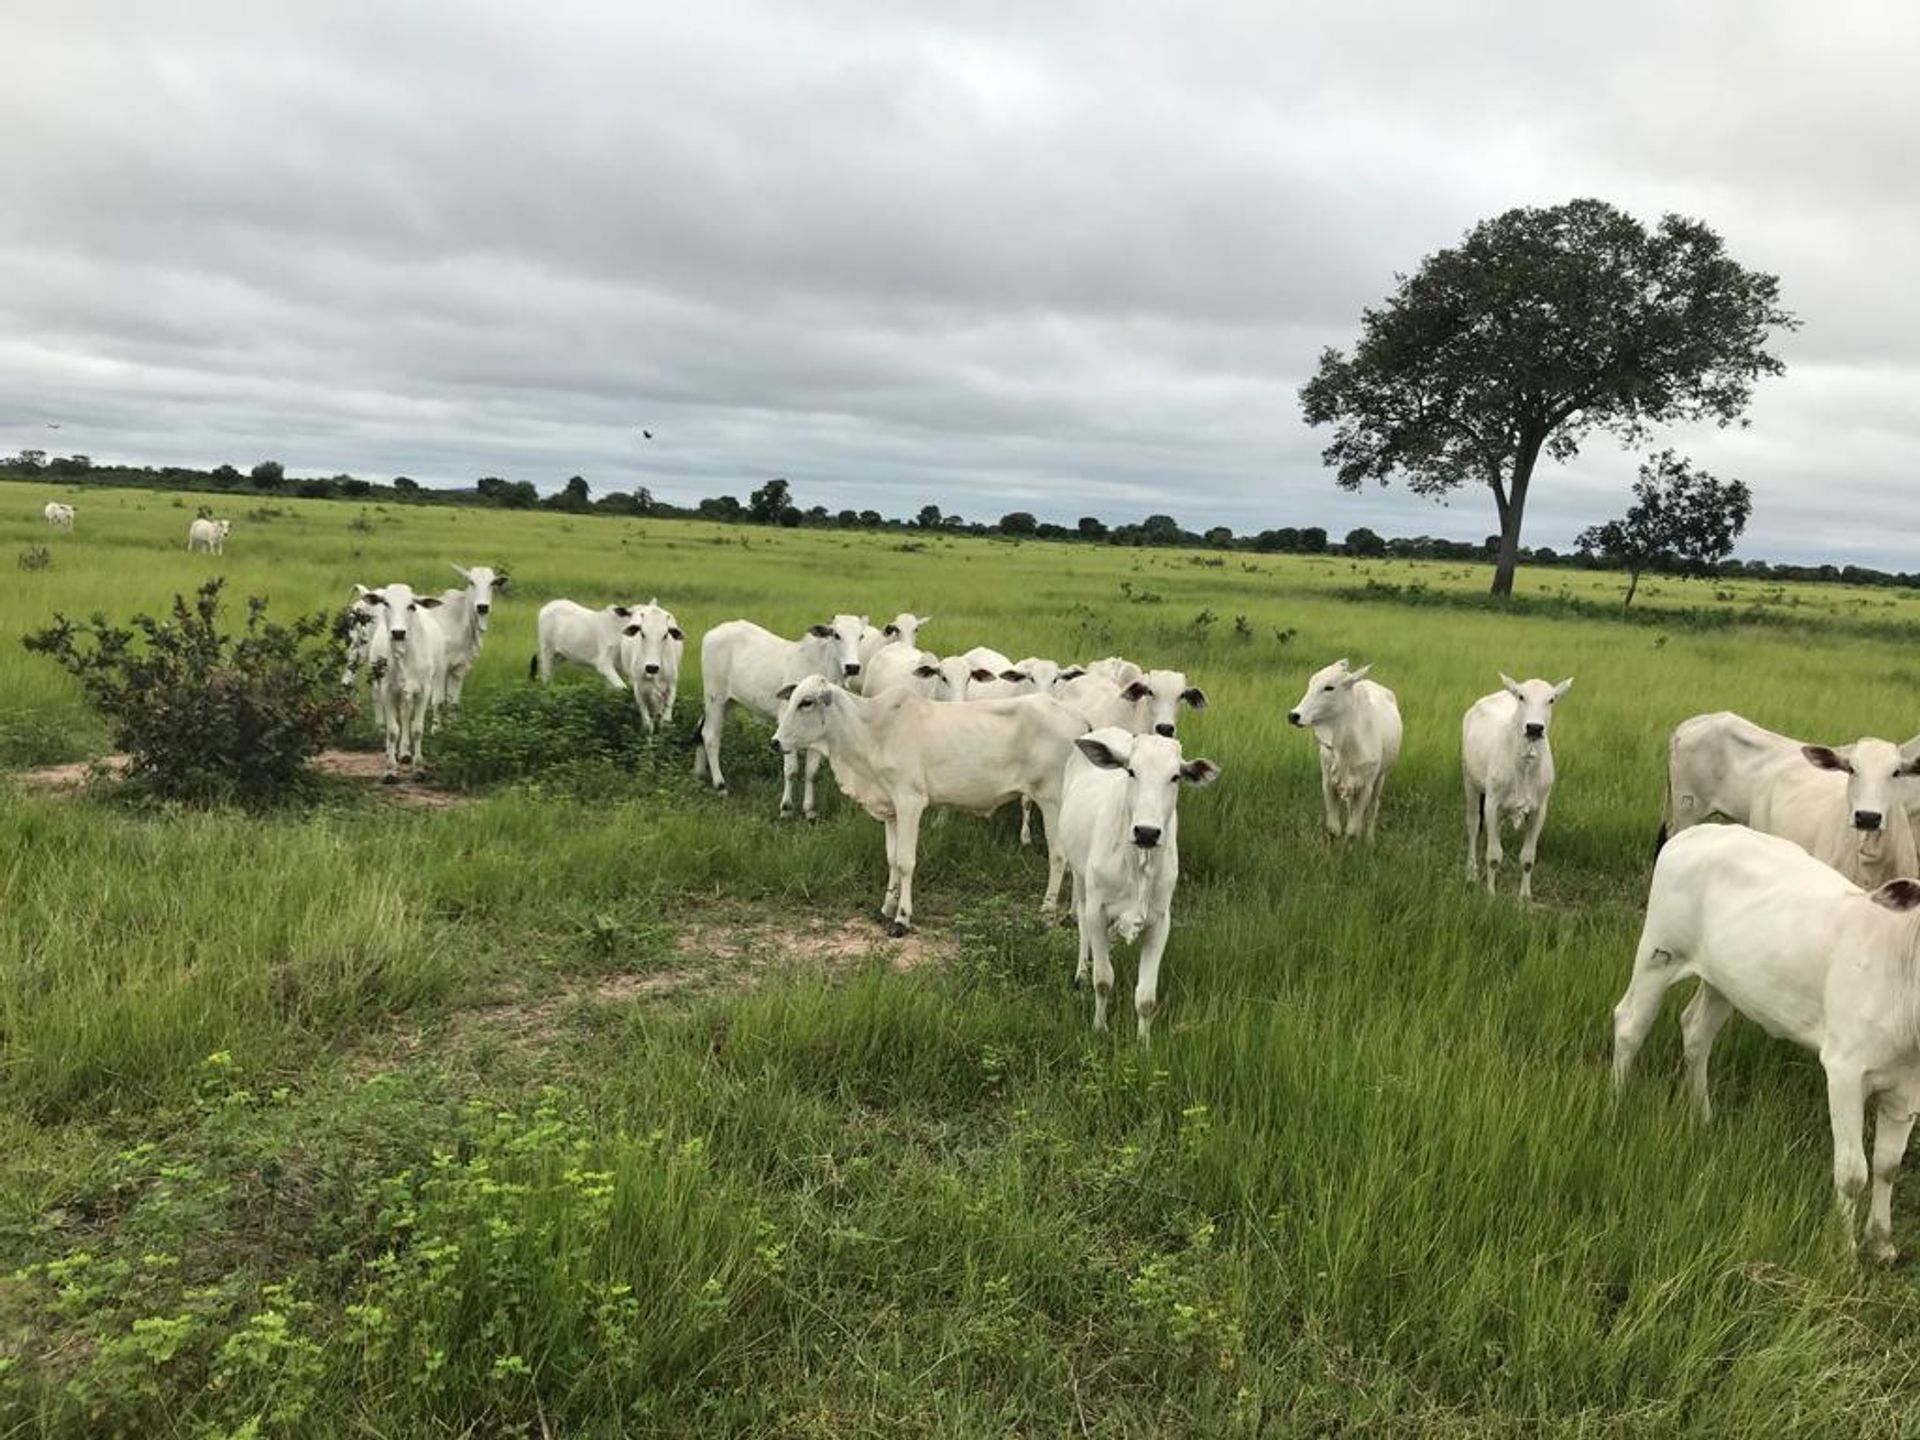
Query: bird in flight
[647, 433]
[53, 424]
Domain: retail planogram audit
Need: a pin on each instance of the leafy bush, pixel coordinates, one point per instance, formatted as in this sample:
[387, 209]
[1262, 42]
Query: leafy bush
[35, 557]
[206, 717]
[585, 739]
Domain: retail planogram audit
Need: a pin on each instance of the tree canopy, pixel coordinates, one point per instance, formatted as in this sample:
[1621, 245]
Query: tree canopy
[1681, 518]
[1540, 327]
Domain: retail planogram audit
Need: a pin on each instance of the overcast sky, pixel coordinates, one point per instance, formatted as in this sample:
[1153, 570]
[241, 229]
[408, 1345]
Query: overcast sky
[1068, 258]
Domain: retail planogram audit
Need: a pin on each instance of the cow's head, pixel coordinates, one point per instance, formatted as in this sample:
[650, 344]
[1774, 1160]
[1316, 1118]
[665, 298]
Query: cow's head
[840, 642]
[1871, 767]
[1045, 674]
[804, 710]
[225, 527]
[1534, 712]
[1155, 768]
[482, 580]
[395, 608]
[905, 627]
[1327, 694]
[650, 640]
[1157, 696]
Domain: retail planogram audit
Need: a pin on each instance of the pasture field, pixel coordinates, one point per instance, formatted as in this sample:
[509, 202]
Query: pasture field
[595, 1104]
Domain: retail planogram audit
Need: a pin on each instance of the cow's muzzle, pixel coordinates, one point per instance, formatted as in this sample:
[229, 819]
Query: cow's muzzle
[1166, 730]
[853, 670]
[1866, 819]
[1293, 717]
[482, 609]
[1146, 836]
[399, 637]
[651, 669]
[1536, 732]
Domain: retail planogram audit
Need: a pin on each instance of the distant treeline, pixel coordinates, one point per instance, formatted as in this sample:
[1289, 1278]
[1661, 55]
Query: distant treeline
[773, 504]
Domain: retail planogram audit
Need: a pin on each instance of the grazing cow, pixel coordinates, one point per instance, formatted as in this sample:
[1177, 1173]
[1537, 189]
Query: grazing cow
[746, 665]
[407, 654]
[59, 515]
[586, 637]
[1148, 703]
[900, 666]
[1357, 724]
[208, 535]
[1507, 765]
[903, 629]
[1811, 957]
[1844, 808]
[1120, 829]
[896, 754]
[463, 618]
[651, 644]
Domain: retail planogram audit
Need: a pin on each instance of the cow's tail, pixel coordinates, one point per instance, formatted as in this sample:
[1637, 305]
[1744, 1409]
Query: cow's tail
[533, 666]
[697, 735]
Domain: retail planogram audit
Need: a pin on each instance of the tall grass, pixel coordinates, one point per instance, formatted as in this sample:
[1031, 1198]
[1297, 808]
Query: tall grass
[1369, 1177]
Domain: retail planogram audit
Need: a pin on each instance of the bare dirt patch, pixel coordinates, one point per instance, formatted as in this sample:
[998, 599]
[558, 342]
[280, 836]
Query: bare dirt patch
[356, 765]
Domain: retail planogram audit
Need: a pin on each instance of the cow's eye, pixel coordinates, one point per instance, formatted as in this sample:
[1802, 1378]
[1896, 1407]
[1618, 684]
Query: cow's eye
[804, 705]
[1327, 689]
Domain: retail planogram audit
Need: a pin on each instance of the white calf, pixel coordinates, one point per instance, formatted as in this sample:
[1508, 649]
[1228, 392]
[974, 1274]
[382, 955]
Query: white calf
[1507, 765]
[651, 644]
[1120, 829]
[58, 515]
[743, 664]
[208, 535]
[896, 754]
[586, 637]
[463, 616]
[1844, 808]
[408, 657]
[1771, 932]
[903, 629]
[1357, 724]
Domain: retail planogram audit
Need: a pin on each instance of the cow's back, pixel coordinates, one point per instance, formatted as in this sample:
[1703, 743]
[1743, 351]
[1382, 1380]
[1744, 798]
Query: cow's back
[1717, 764]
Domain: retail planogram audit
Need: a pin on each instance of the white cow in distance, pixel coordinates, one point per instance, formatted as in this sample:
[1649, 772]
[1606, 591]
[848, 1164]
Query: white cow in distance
[651, 645]
[1507, 766]
[1120, 830]
[897, 754]
[209, 535]
[570, 631]
[59, 515]
[1845, 808]
[903, 629]
[1795, 946]
[464, 616]
[407, 656]
[742, 663]
[1357, 724]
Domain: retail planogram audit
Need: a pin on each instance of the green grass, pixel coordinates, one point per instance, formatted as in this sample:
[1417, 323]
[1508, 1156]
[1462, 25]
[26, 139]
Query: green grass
[364, 1120]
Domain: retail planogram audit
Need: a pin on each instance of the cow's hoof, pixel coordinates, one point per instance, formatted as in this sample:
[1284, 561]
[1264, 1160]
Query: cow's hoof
[898, 930]
[1879, 1252]
[811, 818]
[390, 778]
[1079, 982]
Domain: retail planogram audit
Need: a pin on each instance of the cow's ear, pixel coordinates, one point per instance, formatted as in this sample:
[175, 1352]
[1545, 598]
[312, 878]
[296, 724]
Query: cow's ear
[1909, 765]
[820, 632]
[1354, 677]
[374, 597]
[461, 571]
[927, 672]
[432, 602]
[1138, 690]
[1825, 757]
[1195, 696]
[1100, 753]
[923, 619]
[1018, 677]
[785, 692]
[502, 580]
[1200, 772]
[980, 675]
[890, 629]
[1897, 894]
[1510, 685]
[1562, 688]
[361, 592]
[623, 611]
[675, 633]
[1072, 672]
[631, 630]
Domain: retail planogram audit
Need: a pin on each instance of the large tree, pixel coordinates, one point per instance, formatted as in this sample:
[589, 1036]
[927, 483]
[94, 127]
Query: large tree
[1681, 518]
[1540, 327]
[768, 502]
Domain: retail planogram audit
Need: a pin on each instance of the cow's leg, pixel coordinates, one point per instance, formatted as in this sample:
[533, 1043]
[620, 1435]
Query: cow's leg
[1496, 849]
[789, 767]
[1098, 941]
[1653, 972]
[543, 664]
[1359, 797]
[1846, 1112]
[1530, 846]
[1026, 820]
[1699, 1024]
[814, 757]
[712, 727]
[604, 666]
[646, 710]
[1083, 962]
[1056, 856]
[1476, 807]
[892, 902]
[1893, 1122]
[1329, 794]
[906, 848]
[1146, 989]
[1374, 793]
[389, 710]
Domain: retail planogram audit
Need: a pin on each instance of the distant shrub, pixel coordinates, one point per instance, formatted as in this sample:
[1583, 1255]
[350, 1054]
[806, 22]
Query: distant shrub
[207, 717]
[35, 557]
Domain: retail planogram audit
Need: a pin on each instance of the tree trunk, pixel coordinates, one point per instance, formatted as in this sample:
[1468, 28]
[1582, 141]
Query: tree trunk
[1633, 584]
[1513, 510]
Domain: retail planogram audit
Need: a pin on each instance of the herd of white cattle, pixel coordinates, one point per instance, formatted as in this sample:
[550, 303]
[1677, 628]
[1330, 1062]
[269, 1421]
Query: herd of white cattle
[1802, 913]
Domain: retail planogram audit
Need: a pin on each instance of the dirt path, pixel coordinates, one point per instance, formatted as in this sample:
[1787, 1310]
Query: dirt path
[361, 765]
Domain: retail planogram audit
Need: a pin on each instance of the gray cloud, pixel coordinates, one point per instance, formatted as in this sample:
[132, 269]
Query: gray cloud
[1067, 258]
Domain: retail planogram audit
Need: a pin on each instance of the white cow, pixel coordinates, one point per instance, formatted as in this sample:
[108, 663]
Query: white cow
[359, 633]
[744, 664]
[1121, 671]
[651, 644]
[1357, 724]
[896, 754]
[1844, 808]
[463, 617]
[903, 629]
[1047, 675]
[1149, 703]
[208, 535]
[1120, 829]
[407, 655]
[905, 667]
[586, 637]
[1811, 957]
[1507, 765]
[59, 515]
